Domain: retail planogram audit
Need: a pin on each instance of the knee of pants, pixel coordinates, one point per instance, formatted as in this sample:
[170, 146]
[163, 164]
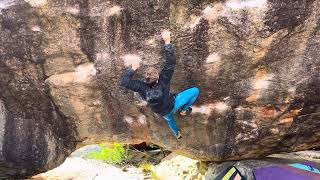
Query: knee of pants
[196, 90]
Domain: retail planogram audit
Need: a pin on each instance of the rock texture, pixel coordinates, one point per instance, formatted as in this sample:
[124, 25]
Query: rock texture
[255, 61]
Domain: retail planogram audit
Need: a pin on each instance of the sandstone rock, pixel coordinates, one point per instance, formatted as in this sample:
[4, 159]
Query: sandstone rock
[178, 167]
[77, 168]
[256, 63]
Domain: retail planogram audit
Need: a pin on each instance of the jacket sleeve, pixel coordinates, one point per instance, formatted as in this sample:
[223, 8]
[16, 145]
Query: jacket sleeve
[168, 69]
[129, 83]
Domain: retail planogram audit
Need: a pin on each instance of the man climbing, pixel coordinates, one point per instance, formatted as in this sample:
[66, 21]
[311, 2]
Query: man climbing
[156, 87]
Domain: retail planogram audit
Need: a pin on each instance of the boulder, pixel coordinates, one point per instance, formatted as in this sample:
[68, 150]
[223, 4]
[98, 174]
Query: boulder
[255, 62]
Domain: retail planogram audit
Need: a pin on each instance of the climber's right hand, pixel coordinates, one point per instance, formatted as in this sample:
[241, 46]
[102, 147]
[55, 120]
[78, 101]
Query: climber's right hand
[135, 65]
[166, 36]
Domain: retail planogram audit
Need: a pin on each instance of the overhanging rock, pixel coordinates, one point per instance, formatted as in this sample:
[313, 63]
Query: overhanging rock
[256, 63]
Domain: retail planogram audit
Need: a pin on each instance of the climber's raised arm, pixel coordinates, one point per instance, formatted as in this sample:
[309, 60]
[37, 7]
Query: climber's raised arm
[127, 81]
[170, 55]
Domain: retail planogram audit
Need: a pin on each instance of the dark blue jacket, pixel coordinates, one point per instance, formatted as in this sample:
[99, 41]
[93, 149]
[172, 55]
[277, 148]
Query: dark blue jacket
[158, 97]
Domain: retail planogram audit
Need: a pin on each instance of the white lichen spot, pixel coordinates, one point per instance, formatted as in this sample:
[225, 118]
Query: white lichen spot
[85, 72]
[204, 109]
[35, 28]
[142, 119]
[212, 13]
[36, 3]
[214, 57]
[115, 10]
[221, 107]
[240, 4]
[73, 10]
[128, 119]
[263, 83]
[207, 109]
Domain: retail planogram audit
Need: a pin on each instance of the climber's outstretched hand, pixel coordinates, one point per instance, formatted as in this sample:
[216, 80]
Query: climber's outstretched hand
[166, 36]
[135, 65]
[132, 60]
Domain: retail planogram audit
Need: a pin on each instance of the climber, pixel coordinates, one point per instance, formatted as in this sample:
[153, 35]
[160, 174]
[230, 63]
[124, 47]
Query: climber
[156, 87]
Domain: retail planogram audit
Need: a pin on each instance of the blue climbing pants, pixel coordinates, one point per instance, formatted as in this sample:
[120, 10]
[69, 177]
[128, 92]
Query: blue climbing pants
[184, 99]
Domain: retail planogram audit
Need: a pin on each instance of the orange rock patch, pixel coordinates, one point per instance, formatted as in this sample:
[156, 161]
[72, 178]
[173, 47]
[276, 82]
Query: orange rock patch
[292, 113]
[254, 96]
[261, 73]
[268, 112]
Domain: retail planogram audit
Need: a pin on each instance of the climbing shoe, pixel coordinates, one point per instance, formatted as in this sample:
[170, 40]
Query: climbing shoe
[178, 136]
[187, 112]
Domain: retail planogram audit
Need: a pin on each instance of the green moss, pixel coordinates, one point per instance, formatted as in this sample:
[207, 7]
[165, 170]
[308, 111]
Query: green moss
[154, 175]
[115, 155]
[148, 169]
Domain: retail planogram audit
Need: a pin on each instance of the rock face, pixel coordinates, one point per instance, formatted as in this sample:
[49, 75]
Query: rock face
[255, 61]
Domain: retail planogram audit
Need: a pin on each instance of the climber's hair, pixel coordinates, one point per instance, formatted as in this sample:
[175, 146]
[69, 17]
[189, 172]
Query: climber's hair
[151, 75]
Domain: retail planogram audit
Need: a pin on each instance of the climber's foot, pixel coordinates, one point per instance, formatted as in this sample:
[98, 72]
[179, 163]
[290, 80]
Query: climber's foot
[187, 112]
[178, 136]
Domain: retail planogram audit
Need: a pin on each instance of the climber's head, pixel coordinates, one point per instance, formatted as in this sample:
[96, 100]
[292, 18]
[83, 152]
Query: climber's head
[151, 75]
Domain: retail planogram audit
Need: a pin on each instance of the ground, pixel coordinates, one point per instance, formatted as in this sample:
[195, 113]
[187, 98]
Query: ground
[77, 167]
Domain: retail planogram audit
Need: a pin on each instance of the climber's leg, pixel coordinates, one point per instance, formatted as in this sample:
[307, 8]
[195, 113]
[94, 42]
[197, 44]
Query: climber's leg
[172, 124]
[186, 98]
[194, 93]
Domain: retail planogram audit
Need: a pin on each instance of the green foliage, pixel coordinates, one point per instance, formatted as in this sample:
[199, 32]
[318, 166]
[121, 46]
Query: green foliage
[115, 155]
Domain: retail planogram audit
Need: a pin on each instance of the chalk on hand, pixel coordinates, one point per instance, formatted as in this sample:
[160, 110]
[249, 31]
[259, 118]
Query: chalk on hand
[130, 59]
